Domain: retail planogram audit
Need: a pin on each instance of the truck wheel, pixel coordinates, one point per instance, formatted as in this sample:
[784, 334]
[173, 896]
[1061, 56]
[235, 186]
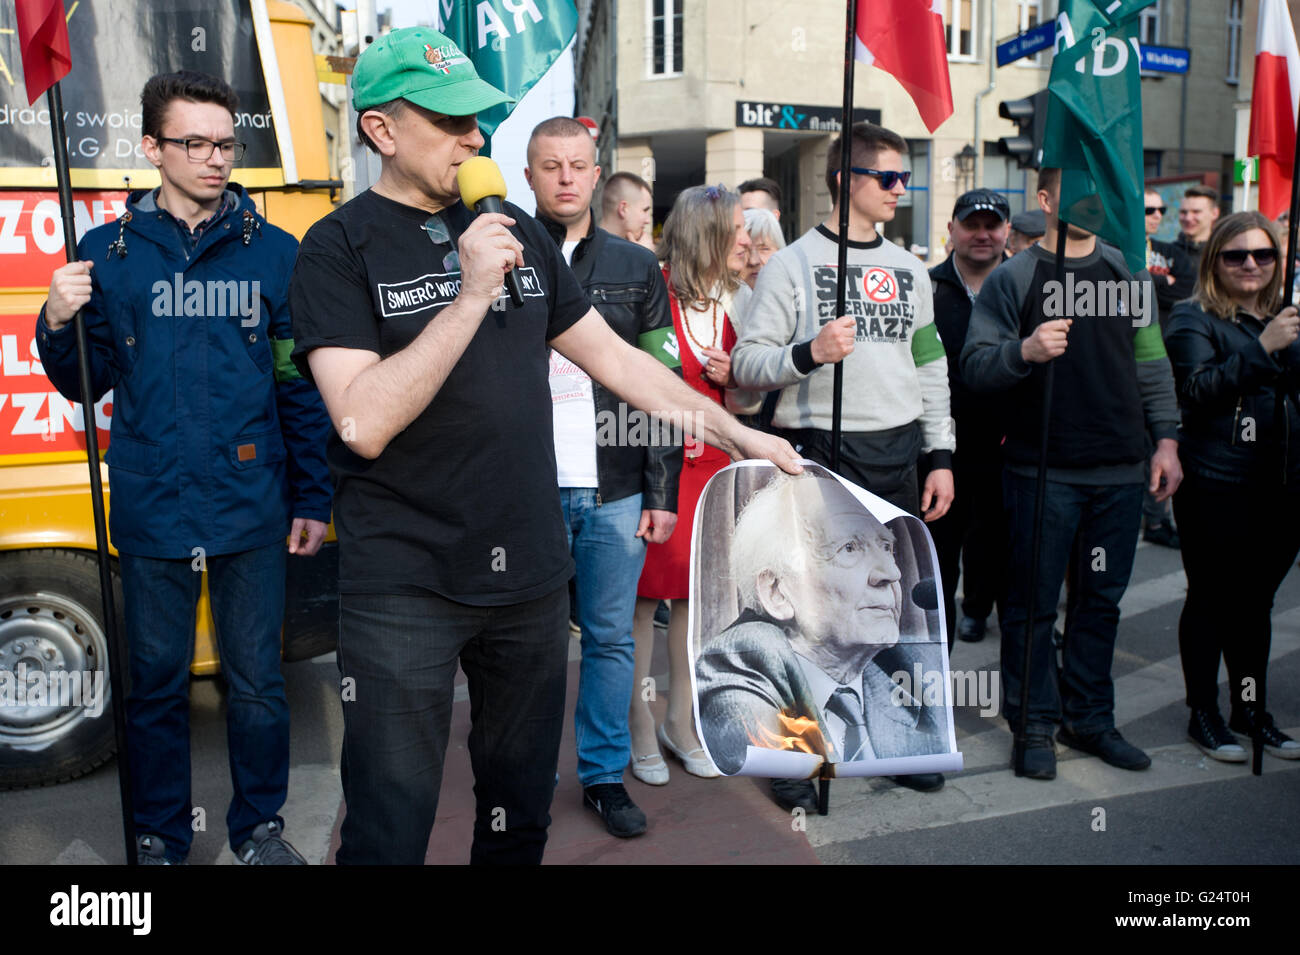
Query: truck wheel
[51, 622]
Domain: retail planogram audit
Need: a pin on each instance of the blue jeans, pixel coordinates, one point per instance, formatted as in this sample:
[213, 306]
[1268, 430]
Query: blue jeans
[247, 592]
[609, 557]
[1077, 519]
[397, 658]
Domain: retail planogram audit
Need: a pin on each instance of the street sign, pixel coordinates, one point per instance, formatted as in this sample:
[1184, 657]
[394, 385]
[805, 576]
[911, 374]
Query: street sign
[1165, 59]
[1155, 59]
[1027, 43]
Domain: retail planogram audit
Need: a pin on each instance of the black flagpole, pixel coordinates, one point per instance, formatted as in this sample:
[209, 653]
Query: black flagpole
[1035, 547]
[846, 124]
[1291, 220]
[837, 386]
[117, 658]
[1288, 299]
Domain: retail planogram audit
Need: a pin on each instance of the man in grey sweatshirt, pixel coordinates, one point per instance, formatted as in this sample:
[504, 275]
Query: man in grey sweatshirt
[895, 401]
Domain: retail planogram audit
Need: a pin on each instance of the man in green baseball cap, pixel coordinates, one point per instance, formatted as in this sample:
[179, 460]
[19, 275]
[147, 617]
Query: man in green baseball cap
[421, 66]
[452, 542]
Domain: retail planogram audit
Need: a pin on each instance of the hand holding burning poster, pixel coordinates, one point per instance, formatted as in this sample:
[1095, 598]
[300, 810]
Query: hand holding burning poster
[815, 609]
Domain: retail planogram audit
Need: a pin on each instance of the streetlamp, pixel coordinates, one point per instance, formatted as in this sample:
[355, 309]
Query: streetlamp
[966, 162]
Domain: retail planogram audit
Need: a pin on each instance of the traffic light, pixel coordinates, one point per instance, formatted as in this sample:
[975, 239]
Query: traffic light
[1030, 116]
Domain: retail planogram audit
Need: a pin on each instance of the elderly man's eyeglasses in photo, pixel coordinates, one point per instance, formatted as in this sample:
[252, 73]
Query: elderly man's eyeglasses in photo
[200, 150]
[850, 552]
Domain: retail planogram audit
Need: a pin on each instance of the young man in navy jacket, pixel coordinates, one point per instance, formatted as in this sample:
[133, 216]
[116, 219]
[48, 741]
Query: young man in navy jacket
[217, 445]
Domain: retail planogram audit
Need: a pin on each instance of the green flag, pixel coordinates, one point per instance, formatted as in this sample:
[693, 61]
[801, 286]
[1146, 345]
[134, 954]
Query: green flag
[511, 43]
[1094, 121]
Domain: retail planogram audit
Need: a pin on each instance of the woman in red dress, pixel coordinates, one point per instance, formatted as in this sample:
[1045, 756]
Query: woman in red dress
[705, 247]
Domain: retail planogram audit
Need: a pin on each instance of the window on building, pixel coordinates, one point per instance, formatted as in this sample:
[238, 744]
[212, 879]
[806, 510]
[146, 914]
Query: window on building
[1031, 14]
[1001, 174]
[1234, 42]
[959, 23]
[1151, 163]
[1149, 27]
[664, 36]
[911, 224]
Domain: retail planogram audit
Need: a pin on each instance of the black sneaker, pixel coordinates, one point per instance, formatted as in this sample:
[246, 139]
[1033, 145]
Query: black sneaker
[1109, 746]
[1213, 738]
[1163, 535]
[663, 615]
[151, 850]
[921, 782]
[971, 630]
[611, 802]
[1038, 758]
[792, 794]
[1276, 743]
[268, 847]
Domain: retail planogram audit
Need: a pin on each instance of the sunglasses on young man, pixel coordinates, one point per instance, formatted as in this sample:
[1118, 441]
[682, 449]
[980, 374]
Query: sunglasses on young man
[886, 177]
[1236, 258]
[1152, 210]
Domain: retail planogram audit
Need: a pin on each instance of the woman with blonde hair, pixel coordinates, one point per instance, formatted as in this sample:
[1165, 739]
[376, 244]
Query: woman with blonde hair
[704, 249]
[1237, 364]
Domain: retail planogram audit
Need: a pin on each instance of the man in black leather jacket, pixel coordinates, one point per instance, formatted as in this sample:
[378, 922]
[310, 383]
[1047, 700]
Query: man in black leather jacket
[975, 527]
[617, 468]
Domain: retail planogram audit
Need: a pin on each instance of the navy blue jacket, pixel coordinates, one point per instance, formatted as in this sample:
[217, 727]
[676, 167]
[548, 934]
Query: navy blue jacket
[216, 440]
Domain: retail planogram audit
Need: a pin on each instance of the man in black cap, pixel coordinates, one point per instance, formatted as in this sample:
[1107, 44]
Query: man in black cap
[1026, 229]
[974, 525]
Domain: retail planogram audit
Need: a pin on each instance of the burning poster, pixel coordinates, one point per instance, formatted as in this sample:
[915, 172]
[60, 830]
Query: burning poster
[817, 629]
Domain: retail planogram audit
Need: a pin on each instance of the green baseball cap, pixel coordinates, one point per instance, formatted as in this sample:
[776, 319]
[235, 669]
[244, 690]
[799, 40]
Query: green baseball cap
[421, 65]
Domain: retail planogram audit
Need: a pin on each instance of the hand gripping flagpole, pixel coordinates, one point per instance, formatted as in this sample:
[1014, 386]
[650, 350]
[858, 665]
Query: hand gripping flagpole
[117, 658]
[837, 385]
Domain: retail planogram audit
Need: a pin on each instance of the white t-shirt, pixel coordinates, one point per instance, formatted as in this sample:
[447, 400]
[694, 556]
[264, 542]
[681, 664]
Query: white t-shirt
[573, 408]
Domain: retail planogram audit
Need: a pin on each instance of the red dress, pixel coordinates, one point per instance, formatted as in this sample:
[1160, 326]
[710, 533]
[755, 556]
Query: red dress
[667, 571]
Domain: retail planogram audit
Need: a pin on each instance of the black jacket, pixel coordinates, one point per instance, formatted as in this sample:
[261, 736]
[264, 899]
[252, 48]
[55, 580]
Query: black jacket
[1189, 248]
[624, 283]
[1182, 267]
[980, 416]
[1241, 422]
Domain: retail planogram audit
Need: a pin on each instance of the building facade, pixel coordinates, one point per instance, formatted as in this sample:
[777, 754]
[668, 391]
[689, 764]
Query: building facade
[687, 92]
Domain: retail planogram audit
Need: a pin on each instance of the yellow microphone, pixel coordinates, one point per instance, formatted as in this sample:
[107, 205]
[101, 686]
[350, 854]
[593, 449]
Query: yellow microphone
[482, 187]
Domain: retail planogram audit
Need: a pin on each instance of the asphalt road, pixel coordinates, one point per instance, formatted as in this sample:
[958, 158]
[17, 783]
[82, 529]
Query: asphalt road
[1185, 809]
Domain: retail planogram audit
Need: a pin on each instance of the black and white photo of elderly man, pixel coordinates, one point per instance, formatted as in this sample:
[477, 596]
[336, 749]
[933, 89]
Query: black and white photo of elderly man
[821, 599]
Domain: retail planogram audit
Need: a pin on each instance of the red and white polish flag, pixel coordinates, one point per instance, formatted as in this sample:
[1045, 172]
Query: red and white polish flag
[1273, 105]
[905, 38]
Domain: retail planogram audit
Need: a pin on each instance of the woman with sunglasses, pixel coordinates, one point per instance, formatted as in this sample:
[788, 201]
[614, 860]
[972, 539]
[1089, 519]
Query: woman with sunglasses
[1237, 363]
[704, 250]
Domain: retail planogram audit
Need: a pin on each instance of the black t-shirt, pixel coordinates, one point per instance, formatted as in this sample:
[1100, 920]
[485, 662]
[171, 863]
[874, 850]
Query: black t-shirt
[1097, 418]
[463, 502]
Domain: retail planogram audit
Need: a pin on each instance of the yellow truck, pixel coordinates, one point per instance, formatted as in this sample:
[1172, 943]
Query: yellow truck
[50, 610]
